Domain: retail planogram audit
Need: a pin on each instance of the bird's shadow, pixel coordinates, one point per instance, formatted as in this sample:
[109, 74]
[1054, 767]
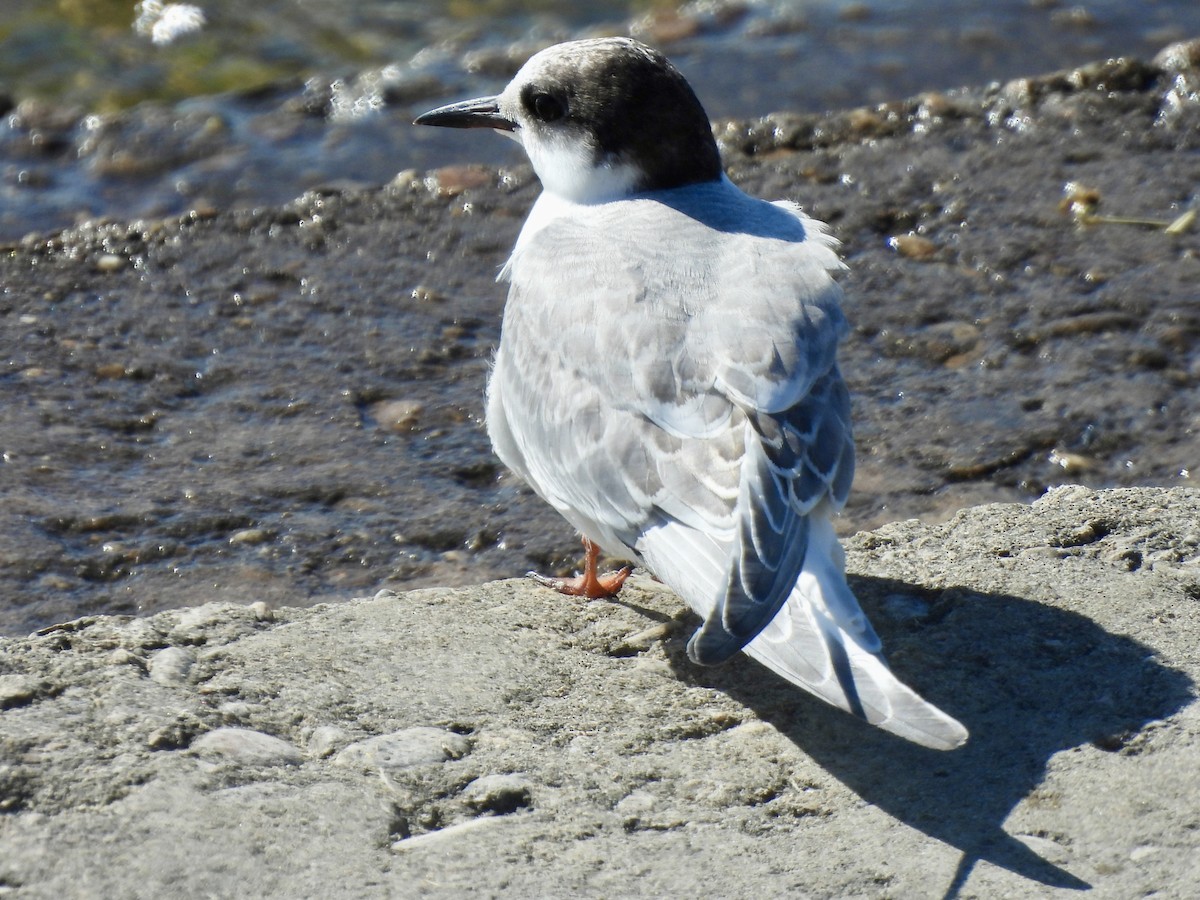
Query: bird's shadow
[1027, 679]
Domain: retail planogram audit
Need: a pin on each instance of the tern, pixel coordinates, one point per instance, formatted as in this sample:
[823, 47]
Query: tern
[667, 374]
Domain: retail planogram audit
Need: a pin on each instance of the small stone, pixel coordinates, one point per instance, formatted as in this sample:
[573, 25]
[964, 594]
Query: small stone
[110, 371]
[410, 747]
[913, 246]
[262, 611]
[424, 294]
[53, 582]
[635, 804]
[235, 711]
[123, 657]
[250, 536]
[325, 741]
[171, 666]
[499, 794]
[451, 181]
[110, 262]
[647, 637]
[1179, 57]
[16, 690]
[168, 737]
[934, 104]
[397, 415]
[861, 119]
[1071, 463]
[405, 180]
[445, 836]
[247, 748]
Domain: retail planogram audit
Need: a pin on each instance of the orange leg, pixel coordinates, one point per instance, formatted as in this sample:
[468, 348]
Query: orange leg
[589, 584]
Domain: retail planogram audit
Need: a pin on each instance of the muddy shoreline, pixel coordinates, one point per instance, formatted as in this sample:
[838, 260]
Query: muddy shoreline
[287, 399]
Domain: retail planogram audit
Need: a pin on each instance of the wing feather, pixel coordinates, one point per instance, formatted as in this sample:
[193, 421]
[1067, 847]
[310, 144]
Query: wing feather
[685, 409]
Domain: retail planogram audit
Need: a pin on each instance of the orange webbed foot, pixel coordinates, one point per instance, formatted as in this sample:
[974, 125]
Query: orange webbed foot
[590, 584]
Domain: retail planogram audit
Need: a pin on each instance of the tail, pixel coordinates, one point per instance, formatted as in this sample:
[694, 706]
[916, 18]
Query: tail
[821, 641]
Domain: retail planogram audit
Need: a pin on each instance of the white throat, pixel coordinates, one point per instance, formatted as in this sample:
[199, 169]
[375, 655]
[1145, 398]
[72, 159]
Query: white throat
[565, 168]
[569, 181]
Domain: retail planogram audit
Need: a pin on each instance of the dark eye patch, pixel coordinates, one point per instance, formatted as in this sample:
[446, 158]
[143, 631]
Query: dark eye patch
[544, 106]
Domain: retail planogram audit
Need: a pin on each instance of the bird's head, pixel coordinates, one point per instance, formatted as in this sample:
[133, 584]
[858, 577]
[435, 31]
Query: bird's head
[599, 120]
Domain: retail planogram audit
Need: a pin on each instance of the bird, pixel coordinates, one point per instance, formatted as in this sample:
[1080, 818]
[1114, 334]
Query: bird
[667, 378]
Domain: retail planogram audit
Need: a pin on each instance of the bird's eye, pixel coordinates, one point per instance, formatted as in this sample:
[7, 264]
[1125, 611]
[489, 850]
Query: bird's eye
[547, 107]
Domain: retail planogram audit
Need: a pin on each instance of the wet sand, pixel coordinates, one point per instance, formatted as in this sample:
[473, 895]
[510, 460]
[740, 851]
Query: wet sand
[287, 400]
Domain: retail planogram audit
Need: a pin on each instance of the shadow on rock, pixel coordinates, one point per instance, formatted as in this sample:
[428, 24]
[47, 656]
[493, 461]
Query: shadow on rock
[1027, 679]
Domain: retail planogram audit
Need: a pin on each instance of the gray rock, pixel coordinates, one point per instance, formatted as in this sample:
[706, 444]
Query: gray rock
[327, 740]
[558, 767]
[171, 666]
[17, 690]
[500, 794]
[401, 749]
[246, 747]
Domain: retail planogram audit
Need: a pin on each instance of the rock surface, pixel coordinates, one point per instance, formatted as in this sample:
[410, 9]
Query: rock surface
[502, 740]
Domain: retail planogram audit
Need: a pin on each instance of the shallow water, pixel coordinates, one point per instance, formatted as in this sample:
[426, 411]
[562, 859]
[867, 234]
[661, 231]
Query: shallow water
[271, 99]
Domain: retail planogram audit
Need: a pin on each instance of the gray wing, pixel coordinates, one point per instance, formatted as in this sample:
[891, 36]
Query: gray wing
[696, 386]
[795, 460]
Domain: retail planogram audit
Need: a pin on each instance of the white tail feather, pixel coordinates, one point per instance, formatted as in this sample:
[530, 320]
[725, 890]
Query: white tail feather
[819, 640]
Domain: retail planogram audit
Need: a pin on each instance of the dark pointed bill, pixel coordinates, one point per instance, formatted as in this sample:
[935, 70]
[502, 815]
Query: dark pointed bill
[483, 112]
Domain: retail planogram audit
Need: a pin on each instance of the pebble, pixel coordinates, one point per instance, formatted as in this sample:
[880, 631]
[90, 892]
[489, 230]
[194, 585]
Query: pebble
[16, 690]
[235, 711]
[262, 611]
[398, 415]
[326, 739]
[405, 180]
[425, 294]
[636, 804]
[171, 666]
[250, 536]
[1072, 463]
[499, 793]
[110, 262]
[122, 657]
[647, 637]
[451, 181]
[409, 747]
[443, 835]
[913, 246]
[109, 371]
[248, 748]
[1179, 57]
[168, 737]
